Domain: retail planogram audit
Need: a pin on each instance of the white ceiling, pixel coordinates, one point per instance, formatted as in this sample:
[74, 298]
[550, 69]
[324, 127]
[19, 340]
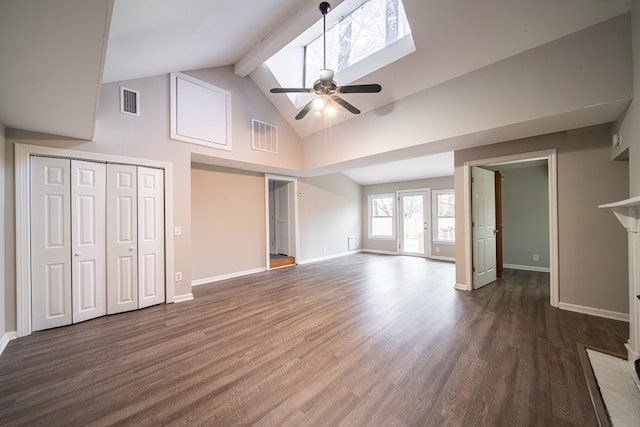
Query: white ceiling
[59, 56]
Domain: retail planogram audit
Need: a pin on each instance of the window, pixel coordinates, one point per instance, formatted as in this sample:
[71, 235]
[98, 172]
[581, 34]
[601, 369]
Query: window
[373, 26]
[381, 216]
[444, 208]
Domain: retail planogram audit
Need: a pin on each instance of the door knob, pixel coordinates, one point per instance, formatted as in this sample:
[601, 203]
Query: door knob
[131, 249]
[76, 254]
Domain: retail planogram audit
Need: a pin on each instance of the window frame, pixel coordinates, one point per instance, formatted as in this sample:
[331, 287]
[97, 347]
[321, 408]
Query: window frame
[435, 217]
[393, 216]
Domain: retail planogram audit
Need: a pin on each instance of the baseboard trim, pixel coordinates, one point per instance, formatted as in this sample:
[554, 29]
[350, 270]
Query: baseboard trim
[6, 337]
[207, 280]
[183, 298]
[461, 287]
[376, 251]
[599, 312]
[327, 257]
[443, 258]
[527, 268]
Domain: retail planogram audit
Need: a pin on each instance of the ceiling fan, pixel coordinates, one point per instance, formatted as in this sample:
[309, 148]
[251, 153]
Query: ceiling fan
[325, 87]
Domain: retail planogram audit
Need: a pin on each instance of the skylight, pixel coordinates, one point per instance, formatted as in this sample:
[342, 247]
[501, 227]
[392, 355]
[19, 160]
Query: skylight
[370, 28]
[362, 37]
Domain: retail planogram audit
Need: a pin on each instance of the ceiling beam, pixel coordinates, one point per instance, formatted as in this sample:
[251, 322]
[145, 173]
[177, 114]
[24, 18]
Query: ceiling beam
[298, 22]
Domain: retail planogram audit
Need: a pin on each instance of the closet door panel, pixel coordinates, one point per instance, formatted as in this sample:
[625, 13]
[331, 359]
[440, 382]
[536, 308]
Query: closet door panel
[151, 277]
[50, 243]
[88, 240]
[122, 238]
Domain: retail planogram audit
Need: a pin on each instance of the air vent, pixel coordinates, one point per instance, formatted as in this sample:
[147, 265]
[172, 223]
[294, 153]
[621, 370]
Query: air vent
[264, 136]
[129, 101]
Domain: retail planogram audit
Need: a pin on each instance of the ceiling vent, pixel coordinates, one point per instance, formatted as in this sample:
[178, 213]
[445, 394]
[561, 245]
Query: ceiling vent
[129, 101]
[264, 136]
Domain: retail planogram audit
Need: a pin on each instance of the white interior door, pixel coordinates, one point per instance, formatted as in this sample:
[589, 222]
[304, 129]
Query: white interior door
[88, 240]
[50, 242]
[483, 207]
[122, 238]
[414, 223]
[151, 277]
[283, 245]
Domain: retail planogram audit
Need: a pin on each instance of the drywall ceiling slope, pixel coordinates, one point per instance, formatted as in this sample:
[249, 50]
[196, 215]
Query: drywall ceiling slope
[579, 80]
[52, 58]
[454, 38]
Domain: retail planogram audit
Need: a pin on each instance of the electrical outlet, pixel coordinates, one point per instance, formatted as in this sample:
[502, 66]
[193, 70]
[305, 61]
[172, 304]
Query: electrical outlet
[536, 258]
[437, 248]
[178, 276]
[178, 231]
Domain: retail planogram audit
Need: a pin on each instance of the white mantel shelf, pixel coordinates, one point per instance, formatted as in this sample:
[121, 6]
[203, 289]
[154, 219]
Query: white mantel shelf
[628, 213]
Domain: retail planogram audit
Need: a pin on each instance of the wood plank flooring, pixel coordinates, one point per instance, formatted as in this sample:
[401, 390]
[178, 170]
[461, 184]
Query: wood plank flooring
[360, 340]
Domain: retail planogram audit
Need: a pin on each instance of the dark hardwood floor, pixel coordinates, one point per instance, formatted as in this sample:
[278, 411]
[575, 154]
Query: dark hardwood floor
[360, 340]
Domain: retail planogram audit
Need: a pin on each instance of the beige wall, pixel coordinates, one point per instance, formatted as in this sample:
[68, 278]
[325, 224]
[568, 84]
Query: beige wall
[592, 245]
[227, 221]
[3, 275]
[629, 125]
[330, 212]
[525, 216]
[443, 183]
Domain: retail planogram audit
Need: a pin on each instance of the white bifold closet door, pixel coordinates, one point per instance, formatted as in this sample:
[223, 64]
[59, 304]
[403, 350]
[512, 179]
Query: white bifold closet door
[150, 236]
[122, 238]
[50, 242]
[97, 240]
[88, 238]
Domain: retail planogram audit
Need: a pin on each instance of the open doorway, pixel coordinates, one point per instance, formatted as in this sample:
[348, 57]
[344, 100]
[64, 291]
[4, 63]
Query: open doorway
[540, 250]
[281, 214]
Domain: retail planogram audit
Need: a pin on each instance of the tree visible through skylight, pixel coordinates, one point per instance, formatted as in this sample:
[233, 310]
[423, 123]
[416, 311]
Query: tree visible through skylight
[370, 28]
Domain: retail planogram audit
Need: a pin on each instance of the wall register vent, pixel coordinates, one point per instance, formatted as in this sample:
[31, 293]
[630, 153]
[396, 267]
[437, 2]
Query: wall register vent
[129, 101]
[264, 136]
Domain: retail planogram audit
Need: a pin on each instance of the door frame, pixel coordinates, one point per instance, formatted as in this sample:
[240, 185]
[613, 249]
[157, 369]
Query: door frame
[426, 219]
[22, 172]
[292, 188]
[551, 156]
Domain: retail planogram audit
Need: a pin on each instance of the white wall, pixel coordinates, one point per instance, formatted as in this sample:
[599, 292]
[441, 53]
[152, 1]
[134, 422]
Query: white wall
[525, 216]
[443, 183]
[330, 212]
[592, 245]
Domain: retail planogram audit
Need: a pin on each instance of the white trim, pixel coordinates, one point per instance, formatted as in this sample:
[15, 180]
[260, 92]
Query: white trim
[551, 157]
[592, 311]
[443, 258]
[207, 280]
[183, 298]
[174, 100]
[394, 215]
[23, 213]
[461, 287]
[377, 251]
[4, 339]
[327, 257]
[296, 238]
[434, 216]
[527, 268]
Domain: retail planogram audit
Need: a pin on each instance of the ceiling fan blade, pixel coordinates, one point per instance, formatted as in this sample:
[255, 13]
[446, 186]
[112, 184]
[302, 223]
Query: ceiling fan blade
[291, 90]
[305, 110]
[373, 88]
[345, 104]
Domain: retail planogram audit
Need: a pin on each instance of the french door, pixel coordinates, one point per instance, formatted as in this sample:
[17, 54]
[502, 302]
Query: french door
[413, 227]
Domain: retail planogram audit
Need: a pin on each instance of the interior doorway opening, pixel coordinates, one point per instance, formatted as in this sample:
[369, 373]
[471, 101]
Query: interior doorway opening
[544, 159]
[281, 216]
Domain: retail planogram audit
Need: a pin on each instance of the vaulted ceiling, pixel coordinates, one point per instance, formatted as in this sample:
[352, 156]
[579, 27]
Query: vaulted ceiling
[56, 54]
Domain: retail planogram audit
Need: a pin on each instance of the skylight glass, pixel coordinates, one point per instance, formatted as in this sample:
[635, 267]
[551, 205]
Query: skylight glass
[373, 26]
